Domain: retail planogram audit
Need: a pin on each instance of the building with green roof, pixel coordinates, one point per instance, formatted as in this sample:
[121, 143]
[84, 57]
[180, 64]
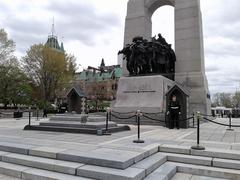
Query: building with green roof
[99, 83]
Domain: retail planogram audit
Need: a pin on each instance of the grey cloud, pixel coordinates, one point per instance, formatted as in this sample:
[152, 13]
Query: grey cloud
[74, 20]
[222, 44]
[211, 69]
[82, 21]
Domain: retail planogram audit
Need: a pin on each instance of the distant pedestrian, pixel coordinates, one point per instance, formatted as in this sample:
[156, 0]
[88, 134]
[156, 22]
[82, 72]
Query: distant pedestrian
[45, 112]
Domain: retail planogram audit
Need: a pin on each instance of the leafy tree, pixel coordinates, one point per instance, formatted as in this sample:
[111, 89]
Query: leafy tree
[49, 70]
[223, 99]
[7, 47]
[14, 88]
[236, 99]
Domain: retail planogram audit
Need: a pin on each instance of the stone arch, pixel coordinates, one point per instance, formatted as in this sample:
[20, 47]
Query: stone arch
[153, 5]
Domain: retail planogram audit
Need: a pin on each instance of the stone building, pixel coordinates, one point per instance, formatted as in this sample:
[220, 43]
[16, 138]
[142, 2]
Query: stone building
[99, 83]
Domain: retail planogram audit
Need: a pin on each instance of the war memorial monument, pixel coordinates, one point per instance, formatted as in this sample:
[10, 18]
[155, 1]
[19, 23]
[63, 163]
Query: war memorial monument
[153, 73]
[152, 70]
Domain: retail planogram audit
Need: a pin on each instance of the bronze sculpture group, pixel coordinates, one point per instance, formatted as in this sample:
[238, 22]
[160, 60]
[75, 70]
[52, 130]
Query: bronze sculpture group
[150, 57]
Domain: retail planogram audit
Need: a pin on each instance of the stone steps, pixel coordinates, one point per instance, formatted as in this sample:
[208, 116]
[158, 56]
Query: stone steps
[24, 172]
[204, 160]
[105, 164]
[42, 163]
[113, 158]
[32, 167]
[164, 172]
[136, 172]
[207, 171]
[209, 152]
[183, 176]
[189, 159]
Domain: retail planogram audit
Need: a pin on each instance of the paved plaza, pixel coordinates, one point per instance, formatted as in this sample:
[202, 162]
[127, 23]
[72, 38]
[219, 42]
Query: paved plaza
[212, 135]
[117, 148]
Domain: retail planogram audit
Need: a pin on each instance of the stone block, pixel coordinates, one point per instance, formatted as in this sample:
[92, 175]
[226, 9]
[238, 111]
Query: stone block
[141, 93]
[97, 172]
[151, 163]
[207, 171]
[42, 163]
[206, 178]
[226, 163]
[157, 176]
[187, 23]
[218, 153]
[3, 153]
[47, 152]
[12, 169]
[182, 176]
[37, 174]
[151, 149]
[190, 54]
[174, 149]
[187, 4]
[108, 158]
[188, 33]
[189, 159]
[166, 171]
[194, 65]
[186, 13]
[15, 148]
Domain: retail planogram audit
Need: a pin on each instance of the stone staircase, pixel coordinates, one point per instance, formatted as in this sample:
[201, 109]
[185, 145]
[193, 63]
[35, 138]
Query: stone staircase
[156, 163]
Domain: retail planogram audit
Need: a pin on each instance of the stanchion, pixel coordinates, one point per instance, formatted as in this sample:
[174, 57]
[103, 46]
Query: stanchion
[107, 119]
[198, 147]
[194, 120]
[29, 116]
[37, 114]
[166, 119]
[230, 123]
[138, 114]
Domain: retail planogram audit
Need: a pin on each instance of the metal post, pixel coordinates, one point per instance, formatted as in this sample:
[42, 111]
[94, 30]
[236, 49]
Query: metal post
[230, 123]
[110, 115]
[138, 114]
[107, 119]
[37, 114]
[166, 119]
[198, 147]
[29, 116]
[194, 120]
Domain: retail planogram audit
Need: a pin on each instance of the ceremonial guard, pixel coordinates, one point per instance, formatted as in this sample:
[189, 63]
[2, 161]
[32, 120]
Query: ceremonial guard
[174, 110]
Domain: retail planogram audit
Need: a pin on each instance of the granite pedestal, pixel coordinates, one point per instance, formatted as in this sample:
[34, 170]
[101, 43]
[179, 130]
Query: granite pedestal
[78, 123]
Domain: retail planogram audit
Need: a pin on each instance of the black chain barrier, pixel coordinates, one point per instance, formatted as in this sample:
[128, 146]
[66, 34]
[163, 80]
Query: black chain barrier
[222, 124]
[198, 147]
[130, 117]
[158, 120]
[153, 113]
[123, 112]
[183, 120]
[206, 115]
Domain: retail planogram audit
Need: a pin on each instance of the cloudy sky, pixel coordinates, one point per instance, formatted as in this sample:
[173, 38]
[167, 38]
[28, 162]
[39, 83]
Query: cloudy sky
[93, 29]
